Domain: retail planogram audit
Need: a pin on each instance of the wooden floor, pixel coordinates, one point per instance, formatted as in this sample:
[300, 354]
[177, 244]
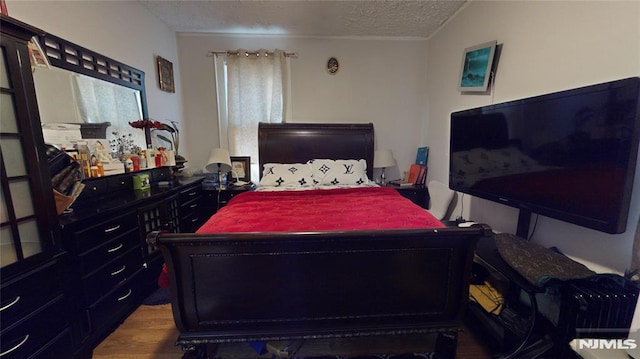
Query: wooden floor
[149, 333]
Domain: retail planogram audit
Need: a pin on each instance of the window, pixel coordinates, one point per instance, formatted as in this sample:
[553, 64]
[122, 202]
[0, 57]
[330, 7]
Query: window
[252, 87]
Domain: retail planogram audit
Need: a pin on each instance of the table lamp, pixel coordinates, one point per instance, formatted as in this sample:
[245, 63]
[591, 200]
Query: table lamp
[219, 162]
[383, 159]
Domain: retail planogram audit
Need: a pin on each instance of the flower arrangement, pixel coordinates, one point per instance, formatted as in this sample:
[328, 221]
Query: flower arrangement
[173, 130]
[122, 144]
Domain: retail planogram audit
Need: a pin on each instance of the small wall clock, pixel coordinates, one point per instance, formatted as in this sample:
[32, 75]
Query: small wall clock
[332, 66]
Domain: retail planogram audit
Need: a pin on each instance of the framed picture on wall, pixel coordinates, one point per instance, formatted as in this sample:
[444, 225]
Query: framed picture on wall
[240, 169]
[165, 75]
[475, 70]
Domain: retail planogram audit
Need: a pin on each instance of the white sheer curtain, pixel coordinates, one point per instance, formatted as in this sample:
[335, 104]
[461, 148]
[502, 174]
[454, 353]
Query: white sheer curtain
[252, 87]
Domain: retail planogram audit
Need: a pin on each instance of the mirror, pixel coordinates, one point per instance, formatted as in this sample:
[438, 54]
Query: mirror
[65, 97]
[85, 88]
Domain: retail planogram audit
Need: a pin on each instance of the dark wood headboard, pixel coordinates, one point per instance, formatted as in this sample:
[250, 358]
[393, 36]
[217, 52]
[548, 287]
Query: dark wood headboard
[300, 142]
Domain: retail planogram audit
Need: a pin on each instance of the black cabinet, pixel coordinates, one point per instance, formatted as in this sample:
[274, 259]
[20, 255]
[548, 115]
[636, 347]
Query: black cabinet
[112, 266]
[516, 330]
[34, 302]
[417, 194]
[215, 198]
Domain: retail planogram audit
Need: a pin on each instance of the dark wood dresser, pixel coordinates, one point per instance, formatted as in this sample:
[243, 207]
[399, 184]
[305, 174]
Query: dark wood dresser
[113, 267]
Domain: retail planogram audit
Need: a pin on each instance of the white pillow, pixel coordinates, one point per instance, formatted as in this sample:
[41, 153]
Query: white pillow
[339, 172]
[287, 175]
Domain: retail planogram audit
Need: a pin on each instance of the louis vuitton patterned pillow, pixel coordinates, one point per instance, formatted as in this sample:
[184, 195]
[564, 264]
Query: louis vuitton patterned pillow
[339, 172]
[286, 175]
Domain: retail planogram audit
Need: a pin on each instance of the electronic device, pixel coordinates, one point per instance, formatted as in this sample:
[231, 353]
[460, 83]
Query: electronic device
[569, 155]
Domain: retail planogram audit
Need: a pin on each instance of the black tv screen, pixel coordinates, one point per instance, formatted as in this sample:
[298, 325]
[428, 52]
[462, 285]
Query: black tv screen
[569, 155]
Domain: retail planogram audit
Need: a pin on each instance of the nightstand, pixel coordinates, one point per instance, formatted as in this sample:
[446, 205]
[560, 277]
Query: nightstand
[417, 194]
[217, 199]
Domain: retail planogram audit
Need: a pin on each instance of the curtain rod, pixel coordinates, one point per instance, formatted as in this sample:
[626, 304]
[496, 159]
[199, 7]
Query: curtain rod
[235, 52]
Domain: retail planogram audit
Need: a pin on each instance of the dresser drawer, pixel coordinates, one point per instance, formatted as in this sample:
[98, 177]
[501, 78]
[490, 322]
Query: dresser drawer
[31, 334]
[192, 221]
[93, 188]
[101, 281]
[91, 237]
[105, 313]
[59, 347]
[161, 174]
[117, 183]
[190, 194]
[195, 205]
[26, 294]
[109, 251]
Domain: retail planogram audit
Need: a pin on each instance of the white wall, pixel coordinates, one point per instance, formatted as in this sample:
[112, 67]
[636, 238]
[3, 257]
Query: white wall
[547, 47]
[380, 81]
[122, 30]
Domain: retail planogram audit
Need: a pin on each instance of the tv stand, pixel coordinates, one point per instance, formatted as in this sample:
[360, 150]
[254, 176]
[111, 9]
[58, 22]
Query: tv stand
[587, 304]
[524, 221]
[519, 341]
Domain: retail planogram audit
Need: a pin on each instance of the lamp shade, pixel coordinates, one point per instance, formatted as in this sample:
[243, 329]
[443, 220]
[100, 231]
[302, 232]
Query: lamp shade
[383, 158]
[219, 161]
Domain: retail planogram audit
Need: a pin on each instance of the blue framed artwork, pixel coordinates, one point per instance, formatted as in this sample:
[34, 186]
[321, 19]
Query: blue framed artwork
[475, 70]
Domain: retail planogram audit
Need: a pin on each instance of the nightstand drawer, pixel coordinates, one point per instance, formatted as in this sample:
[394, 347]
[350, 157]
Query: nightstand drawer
[226, 196]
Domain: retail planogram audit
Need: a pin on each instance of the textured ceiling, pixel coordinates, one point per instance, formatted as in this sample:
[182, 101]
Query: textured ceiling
[306, 18]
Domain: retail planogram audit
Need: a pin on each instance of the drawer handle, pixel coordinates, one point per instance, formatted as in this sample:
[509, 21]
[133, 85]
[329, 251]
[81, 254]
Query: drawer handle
[26, 337]
[108, 230]
[125, 296]
[195, 220]
[194, 205]
[193, 193]
[10, 304]
[119, 270]
[116, 248]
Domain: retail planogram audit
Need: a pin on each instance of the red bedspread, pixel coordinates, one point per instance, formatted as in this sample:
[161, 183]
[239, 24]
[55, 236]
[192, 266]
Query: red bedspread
[319, 210]
[316, 210]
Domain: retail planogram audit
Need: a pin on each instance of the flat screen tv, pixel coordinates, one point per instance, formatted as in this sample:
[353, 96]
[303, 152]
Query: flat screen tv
[568, 155]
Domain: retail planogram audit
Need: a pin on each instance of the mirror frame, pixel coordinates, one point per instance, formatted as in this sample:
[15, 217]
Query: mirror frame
[69, 56]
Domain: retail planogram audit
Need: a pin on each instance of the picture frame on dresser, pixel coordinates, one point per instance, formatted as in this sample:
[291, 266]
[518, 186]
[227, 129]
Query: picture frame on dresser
[240, 169]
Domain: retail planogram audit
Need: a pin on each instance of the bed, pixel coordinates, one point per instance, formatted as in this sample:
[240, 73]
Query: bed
[307, 281]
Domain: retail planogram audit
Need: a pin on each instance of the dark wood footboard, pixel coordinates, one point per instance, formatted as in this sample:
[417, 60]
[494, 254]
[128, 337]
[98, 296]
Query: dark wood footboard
[274, 286]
